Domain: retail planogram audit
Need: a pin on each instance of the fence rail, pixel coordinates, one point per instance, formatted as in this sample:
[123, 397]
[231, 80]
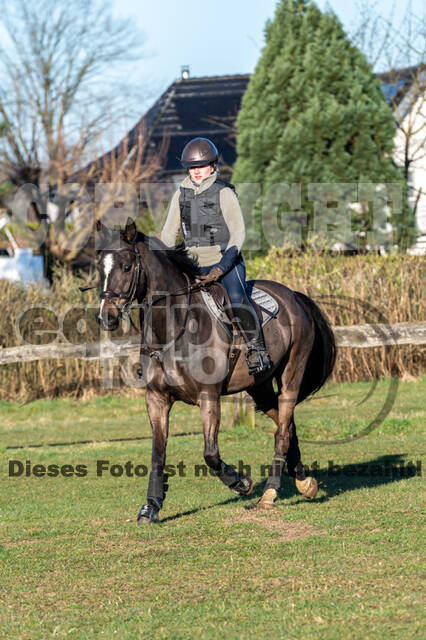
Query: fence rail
[380, 335]
[361, 336]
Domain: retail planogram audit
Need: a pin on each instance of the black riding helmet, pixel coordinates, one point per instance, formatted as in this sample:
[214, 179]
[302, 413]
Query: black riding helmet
[199, 152]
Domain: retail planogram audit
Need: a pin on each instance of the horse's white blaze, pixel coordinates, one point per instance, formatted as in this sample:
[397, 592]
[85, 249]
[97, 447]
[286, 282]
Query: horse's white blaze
[108, 265]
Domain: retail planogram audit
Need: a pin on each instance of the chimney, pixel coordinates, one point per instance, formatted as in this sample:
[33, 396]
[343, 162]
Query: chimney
[184, 72]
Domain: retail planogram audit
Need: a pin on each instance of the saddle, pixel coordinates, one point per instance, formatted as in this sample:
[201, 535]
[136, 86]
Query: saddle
[219, 306]
[217, 302]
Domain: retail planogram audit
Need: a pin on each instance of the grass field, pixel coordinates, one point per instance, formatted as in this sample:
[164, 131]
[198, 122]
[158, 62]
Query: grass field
[347, 565]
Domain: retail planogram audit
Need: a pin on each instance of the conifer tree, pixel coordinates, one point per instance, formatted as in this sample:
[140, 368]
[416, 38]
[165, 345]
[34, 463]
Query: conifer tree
[314, 114]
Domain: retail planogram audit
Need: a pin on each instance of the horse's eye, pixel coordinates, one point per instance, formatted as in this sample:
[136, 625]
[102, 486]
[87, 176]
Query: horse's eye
[127, 267]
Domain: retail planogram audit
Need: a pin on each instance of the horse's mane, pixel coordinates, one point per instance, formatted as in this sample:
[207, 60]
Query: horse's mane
[178, 256]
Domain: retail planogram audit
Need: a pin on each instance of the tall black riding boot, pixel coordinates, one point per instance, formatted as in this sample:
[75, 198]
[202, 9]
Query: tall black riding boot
[257, 356]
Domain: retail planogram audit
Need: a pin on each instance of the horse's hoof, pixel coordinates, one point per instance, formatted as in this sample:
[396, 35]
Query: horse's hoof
[148, 515]
[307, 487]
[143, 520]
[243, 486]
[266, 502]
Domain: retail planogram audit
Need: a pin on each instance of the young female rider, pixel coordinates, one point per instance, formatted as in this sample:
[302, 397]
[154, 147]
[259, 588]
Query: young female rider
[207, 210]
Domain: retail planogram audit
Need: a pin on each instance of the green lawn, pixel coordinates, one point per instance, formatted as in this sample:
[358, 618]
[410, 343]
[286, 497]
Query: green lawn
[347, 565]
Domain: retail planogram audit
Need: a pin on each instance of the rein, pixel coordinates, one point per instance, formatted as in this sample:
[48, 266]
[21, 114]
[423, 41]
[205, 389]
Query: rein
[147, 307]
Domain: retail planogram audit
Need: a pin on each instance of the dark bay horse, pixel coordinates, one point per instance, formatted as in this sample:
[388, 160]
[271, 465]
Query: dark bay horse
[187, 356]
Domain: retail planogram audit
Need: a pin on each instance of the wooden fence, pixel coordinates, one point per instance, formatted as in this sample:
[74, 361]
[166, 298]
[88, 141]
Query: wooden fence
[362, 336]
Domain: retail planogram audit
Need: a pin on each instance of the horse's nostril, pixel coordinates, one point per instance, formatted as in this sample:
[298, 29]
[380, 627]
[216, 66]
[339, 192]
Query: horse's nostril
[107, 322]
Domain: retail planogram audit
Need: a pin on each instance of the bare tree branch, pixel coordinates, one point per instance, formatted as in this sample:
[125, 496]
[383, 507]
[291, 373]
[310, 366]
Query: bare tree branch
[59, 91]
[398, 49]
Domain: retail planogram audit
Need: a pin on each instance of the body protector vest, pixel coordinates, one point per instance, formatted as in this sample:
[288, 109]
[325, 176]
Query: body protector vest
[201, 217]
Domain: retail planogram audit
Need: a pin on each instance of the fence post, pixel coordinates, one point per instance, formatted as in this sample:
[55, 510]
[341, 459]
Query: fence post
[242, 409]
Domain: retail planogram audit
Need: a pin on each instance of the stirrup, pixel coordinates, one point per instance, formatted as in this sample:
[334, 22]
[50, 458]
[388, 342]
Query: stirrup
[257, 359]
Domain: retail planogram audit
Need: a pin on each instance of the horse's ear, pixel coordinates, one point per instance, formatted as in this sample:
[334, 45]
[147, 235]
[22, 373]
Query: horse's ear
[130, 232]
[102, 229]
[103, 235]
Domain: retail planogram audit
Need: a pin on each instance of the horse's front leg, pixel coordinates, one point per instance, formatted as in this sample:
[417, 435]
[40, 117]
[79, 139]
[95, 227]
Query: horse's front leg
[210, 416]
[158, 406]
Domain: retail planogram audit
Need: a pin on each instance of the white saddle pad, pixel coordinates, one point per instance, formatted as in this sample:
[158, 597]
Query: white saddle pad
[263, 299]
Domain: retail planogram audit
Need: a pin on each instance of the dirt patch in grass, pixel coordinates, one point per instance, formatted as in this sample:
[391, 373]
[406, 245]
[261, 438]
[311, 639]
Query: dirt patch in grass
[276, 522]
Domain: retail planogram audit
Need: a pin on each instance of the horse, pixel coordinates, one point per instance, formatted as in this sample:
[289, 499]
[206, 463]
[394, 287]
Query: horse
[186, 356]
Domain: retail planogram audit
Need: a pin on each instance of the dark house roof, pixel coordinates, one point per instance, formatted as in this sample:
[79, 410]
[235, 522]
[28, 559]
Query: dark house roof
[190, 107]
[208, 107]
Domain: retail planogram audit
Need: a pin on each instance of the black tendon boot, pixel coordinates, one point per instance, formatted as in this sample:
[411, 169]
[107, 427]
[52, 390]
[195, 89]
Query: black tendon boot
[257, 357]
[157, 488]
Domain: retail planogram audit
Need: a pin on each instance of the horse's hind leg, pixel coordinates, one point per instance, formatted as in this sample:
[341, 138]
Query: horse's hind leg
[210, 416]
[280, 407]
[307, 486]
[266, 400]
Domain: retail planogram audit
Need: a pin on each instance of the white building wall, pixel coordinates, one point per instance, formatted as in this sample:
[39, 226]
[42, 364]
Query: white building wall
[415, 122]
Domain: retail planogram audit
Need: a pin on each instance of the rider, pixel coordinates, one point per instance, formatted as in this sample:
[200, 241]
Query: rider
[207, 210]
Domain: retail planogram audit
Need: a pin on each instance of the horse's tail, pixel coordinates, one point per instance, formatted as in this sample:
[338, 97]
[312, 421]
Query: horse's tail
[323, 353]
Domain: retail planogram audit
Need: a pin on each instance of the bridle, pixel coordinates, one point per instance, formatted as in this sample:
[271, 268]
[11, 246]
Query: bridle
[128, 297]
[146, 307]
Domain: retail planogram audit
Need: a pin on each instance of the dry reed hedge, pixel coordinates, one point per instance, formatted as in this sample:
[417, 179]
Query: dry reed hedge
[352, 290]
[361, 289]
[20, 309]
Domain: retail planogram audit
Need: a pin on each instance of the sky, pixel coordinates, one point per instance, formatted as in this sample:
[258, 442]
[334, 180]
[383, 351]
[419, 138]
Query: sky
[214, 38]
